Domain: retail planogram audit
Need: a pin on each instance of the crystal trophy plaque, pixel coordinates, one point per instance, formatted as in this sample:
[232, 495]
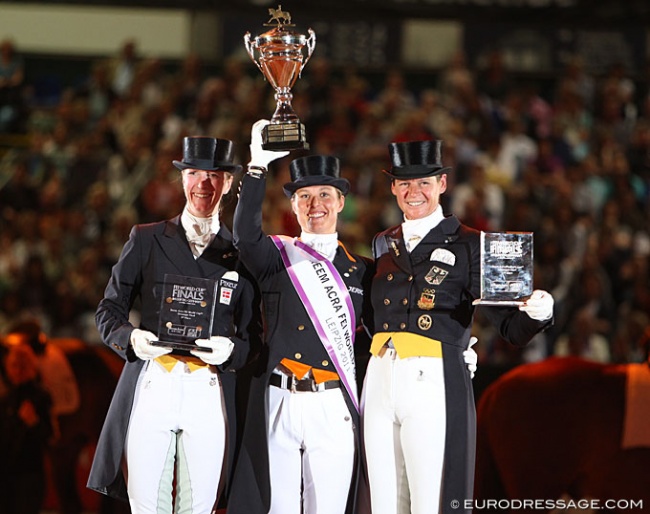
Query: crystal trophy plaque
[186, 312]
[506, 268]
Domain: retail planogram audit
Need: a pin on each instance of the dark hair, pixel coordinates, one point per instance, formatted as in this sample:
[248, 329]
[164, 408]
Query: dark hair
[32, 332]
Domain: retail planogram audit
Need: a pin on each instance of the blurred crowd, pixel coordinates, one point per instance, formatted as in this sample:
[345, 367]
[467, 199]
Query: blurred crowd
[569, 161]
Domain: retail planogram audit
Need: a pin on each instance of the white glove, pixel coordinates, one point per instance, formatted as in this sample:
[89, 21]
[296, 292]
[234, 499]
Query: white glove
[259, 156]
[141, 342]
[221, 349]
[471, 357]
[539, 306]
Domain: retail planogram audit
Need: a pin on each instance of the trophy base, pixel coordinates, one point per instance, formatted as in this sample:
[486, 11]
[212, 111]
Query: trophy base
[176, 345]
[284, 136]
[499, 303]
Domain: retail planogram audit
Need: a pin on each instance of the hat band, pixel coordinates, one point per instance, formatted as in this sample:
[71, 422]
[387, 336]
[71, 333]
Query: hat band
[341, 184]
[200, 163]
[418, 167]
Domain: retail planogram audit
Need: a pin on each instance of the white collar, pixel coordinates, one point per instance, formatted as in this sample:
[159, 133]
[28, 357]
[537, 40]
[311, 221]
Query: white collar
[415, 230]
[199, 226]
[199, 231]
[325, 244]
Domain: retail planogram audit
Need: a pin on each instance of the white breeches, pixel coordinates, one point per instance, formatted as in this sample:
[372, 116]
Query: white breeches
[177, 422]
[311, 451]
[404, 433]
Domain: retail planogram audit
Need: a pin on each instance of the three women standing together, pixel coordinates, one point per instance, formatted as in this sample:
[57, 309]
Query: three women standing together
[308, 418]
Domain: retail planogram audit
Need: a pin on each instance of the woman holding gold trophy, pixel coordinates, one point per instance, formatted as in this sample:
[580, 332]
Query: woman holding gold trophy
[301, 443]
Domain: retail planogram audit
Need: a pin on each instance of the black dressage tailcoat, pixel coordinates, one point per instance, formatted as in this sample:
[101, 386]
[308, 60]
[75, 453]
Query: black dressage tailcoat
[152, 251]
[429, 292]
[289, 332]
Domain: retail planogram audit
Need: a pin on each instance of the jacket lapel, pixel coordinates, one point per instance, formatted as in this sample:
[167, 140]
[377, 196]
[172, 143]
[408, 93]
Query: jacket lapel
[212, 261]
[444, 233]
[397, 249]
[345, 264]
[219, 255]
[173, 243]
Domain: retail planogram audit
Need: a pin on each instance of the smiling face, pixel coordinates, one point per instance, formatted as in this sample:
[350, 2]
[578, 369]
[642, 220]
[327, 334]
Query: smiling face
[204, 189]
[317, 208]
[419, 197]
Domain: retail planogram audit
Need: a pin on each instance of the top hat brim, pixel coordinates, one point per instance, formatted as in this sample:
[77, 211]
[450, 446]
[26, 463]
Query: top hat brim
[341, 184]
[196, 166]
[411, 172]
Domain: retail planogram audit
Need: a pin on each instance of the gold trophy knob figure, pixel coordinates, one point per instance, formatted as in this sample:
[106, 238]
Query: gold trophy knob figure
[281, 61]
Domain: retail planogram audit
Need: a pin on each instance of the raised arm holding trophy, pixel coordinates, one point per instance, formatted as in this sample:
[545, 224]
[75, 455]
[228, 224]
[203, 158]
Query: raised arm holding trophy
[300, 449]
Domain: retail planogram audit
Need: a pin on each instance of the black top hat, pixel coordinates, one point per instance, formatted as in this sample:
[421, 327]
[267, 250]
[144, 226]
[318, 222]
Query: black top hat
[416, 159]
[315, 170]
[207, 154]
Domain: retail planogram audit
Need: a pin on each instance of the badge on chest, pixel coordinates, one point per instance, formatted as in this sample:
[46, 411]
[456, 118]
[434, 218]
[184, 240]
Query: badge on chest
[436, 275]
[427, 299]
[227, 285]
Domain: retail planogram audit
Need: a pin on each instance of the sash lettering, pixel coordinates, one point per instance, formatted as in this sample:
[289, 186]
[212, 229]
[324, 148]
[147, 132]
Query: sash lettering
[333, 318]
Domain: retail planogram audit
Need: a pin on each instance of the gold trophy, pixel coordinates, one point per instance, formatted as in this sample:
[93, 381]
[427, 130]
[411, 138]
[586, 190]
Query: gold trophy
[281, 61]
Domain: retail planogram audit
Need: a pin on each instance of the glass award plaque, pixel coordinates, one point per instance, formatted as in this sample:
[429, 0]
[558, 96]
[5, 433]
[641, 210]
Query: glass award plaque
[506, 268]
[186, 312]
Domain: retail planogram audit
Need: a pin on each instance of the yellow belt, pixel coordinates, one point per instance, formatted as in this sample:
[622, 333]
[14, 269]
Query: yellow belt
[168, 362]
[407, 344]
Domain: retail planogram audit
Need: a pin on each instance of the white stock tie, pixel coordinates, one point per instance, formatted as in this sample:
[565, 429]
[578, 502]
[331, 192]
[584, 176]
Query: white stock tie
[325, 244]
[199, 231]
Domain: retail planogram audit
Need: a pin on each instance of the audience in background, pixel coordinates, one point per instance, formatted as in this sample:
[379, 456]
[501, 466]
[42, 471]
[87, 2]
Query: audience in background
[12, 76]
[25, 427]
[568, 159]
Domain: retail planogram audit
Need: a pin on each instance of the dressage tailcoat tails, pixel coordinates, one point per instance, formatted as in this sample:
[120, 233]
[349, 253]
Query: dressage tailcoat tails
[289, 333]
[152, 251]
[429, 292]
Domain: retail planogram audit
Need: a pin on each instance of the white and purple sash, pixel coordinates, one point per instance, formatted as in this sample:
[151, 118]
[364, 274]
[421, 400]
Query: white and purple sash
[328, 304]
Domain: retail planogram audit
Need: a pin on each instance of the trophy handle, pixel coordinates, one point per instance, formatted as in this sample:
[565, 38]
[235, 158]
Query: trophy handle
[251, 50]
[311, 44]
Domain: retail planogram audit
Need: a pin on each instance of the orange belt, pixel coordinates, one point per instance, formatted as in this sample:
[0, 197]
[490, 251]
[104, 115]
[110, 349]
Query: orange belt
[300, 370]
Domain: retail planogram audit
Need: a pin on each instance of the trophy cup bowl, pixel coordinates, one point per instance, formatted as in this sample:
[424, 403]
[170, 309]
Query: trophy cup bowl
[281, 60]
